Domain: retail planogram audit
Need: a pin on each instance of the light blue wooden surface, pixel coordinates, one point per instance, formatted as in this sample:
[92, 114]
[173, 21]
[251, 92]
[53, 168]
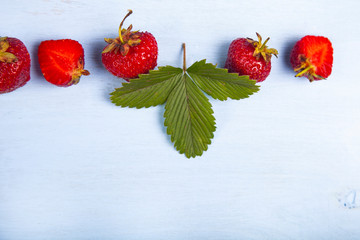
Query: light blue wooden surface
[284, 164]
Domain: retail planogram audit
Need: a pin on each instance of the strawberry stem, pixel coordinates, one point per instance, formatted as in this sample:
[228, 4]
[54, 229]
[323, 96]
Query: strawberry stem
[184, 57]
[122, 22]
[305, 70]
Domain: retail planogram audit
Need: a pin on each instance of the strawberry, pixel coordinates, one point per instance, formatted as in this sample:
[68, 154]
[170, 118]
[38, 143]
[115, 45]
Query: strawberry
[62, 61]
[14, 64]
[249, 57]
[312, 57]
[130, 54]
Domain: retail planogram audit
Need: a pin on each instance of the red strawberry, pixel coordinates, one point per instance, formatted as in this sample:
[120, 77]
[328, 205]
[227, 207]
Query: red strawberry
[130, 54]
[249, 57]
[312, 57]
[62, 61]
[14, 64]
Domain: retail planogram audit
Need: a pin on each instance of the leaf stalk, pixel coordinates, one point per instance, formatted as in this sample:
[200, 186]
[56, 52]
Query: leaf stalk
[184, 57]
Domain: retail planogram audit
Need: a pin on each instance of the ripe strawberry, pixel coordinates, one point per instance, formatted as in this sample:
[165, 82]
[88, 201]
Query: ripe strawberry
[312, 57]
[14, 64]
[130, 54]
[62, 61]
[249, 57]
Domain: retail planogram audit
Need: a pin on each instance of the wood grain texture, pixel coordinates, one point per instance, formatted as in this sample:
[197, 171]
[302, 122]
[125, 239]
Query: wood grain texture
[284, 163]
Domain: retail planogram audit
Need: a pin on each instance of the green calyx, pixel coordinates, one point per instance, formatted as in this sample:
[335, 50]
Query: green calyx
[261, 50]
[4, 55]
[125, 41]
[77, 74]
[307, 69]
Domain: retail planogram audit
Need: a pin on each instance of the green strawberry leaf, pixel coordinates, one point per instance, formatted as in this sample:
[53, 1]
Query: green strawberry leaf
[188, 113]
[189, 118]
[148, 90]
[220, 84]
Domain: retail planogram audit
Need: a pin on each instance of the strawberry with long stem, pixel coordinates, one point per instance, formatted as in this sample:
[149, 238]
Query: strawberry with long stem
[131, 53]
